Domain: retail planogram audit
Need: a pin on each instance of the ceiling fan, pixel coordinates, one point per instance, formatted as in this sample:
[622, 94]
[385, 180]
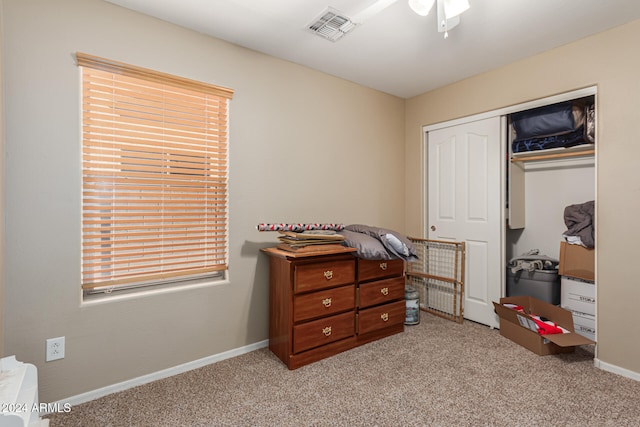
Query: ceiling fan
[333, 25]
[448, 11]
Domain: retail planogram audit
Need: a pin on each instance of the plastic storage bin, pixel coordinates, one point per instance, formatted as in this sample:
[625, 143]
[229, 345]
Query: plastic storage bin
[541, 284]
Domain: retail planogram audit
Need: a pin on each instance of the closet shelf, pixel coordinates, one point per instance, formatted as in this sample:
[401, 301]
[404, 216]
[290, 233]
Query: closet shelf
[550, 156]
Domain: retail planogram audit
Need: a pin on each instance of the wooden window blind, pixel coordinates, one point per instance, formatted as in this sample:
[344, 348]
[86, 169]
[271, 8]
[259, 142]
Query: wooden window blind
[154, 176]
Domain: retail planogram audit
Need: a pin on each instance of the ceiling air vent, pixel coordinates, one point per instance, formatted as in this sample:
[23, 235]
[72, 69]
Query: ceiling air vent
[331, 25]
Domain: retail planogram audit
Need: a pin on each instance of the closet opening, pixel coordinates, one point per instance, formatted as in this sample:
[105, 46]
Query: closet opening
[551, 182]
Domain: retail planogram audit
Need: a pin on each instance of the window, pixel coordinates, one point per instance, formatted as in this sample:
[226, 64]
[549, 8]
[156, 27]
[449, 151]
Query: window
[154, 177]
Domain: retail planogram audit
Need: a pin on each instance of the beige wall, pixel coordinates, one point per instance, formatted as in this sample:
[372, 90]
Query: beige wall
[2, 323]
[610, 61]
[305, 147]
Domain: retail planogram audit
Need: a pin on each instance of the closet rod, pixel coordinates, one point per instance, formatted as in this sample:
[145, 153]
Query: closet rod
[553, 156]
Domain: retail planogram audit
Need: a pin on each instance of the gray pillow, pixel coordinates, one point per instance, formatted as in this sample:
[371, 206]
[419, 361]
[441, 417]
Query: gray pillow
[394, 242]
[367, 247]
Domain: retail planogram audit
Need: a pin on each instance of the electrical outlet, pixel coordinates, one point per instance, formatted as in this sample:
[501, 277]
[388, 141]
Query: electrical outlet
[55, 349]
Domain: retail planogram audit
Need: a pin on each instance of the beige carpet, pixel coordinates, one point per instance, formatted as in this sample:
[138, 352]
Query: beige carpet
[438, 373]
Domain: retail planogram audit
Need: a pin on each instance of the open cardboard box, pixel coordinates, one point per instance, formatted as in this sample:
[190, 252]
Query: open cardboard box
[576, 261]
[518, 326]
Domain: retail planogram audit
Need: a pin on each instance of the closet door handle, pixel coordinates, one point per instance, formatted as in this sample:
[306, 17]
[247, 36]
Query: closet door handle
[433, 228]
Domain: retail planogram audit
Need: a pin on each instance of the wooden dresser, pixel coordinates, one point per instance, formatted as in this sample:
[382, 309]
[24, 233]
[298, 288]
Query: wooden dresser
[326, 302]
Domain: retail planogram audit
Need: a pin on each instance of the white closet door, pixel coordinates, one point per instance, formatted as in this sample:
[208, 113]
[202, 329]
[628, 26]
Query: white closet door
[464, 184]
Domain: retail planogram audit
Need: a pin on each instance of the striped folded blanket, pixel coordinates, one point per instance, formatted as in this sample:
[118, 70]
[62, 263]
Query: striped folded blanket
[298, 228]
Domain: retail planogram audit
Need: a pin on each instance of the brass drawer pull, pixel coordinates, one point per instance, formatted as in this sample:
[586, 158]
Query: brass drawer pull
[384, 291]
[384, 317]
[326, 302]
[328, 274]
[326, 331]
[383, 266]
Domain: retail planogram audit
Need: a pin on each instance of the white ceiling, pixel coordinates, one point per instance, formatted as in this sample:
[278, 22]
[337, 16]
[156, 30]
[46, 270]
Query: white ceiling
[395, 50]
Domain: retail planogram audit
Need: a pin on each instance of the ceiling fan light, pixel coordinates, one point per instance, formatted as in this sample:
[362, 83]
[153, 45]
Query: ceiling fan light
[454, 8]
[421, 7]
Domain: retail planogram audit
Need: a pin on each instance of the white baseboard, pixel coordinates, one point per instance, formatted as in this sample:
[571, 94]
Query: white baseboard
[616, 369]
[165, 373]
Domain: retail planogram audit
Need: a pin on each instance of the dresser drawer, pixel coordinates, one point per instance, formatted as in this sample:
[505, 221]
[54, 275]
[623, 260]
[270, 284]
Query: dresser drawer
[321, 275]
[373, 319]
[323, 331]
[324, 303]
[379, 269]
[381, 291]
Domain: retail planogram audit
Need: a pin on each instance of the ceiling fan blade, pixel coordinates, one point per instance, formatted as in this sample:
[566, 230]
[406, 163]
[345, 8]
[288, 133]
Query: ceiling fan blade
[453, 8]
[372, 10]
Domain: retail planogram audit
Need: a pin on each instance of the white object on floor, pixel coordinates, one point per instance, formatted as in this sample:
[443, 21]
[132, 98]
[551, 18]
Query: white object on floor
[19, 394]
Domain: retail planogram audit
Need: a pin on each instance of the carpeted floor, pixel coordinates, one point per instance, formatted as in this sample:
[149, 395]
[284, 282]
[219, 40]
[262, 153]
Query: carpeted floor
[437, 373]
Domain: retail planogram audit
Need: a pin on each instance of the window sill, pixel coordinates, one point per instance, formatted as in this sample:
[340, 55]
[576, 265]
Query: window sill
[149, 291]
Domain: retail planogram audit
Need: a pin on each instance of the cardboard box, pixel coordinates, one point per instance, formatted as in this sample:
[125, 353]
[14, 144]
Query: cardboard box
[578, 295]
[518, 326]
[584, 324]
[576, 261]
